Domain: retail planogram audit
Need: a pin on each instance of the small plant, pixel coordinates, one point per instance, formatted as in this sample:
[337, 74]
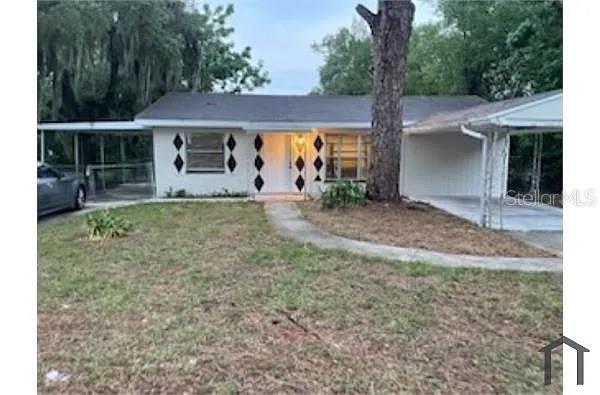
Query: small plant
[180, 193]
[104, 224]
[227, 193]
[343, 194]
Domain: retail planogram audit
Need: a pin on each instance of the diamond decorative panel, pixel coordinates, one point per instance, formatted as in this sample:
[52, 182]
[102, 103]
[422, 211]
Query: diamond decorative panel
[258, 142]
[318, 143]
[231, 143]
[177, 141]
[231, 163]
[299, 183]
[258, 163]
[318, 163]
[258, 182]
[318, 178]
[299, 163]
[178, 162]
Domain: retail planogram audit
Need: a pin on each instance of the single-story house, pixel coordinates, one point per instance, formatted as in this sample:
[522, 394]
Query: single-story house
[265, 145]
[268, 144]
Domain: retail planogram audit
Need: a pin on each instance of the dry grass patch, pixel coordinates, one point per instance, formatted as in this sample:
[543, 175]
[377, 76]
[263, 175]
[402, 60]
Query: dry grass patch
[207, 298]
[416, 225]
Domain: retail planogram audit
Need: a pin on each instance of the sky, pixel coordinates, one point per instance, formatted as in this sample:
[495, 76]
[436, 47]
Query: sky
[281, 32]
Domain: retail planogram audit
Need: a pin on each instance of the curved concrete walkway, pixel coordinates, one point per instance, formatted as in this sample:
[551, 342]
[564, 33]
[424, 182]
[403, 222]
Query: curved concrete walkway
[286, 217]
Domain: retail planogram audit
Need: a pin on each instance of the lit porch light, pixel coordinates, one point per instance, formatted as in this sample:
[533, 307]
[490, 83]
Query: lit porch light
[299, 142]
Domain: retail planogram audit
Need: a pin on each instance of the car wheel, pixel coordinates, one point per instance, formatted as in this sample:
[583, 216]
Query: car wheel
[80, 198]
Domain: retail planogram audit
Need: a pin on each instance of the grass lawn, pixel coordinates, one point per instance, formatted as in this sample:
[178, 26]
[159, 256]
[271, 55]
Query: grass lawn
[206, 297]
[416, 225]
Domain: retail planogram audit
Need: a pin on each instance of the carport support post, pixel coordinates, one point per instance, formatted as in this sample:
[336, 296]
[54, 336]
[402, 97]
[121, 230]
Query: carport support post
[76, 152]
[102, 162]
[505, 152]
[489, 175]
[122, 149]
[42, 146]
[485, 203]
[483, 198]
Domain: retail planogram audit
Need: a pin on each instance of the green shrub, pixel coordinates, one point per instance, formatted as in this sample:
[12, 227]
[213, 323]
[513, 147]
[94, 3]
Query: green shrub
[180, 193]
[225, 193]
[103, 224]
[343, 194]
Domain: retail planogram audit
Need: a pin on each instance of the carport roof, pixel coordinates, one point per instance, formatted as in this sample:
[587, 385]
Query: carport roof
[92, 126]
[255, 111]
[522, 113]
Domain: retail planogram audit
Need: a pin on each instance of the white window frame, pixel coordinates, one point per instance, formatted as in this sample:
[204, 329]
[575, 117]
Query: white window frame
[360, 157]
[189, 150]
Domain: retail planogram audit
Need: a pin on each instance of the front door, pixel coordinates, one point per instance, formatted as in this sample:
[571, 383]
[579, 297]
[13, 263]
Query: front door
[276, 172]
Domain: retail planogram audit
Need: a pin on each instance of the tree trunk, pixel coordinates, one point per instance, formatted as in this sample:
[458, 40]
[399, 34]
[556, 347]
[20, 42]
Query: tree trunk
[391, 28]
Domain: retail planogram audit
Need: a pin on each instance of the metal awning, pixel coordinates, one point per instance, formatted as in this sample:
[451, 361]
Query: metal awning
[94, 126]
[541, 113]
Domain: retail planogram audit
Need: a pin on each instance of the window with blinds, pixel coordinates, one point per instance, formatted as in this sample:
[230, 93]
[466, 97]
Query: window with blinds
[205, 152]
[347, 156]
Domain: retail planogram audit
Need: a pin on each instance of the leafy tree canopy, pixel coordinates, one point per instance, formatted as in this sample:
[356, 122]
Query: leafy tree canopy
[495, 49]
[348, 61]
[511, 48]
[434, 62]
[112, 58]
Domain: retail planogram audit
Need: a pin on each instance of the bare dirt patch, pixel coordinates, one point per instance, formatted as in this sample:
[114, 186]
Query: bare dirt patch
[416, 225]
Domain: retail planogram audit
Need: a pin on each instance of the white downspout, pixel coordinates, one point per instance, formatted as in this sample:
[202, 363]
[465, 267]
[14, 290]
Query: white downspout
[484, 148]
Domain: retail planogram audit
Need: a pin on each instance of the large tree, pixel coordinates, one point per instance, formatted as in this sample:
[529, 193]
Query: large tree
[101, 59]
[496, 49]
[390, 28]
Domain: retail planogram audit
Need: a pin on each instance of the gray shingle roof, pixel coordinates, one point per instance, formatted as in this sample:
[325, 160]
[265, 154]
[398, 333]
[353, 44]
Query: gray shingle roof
[276, 108]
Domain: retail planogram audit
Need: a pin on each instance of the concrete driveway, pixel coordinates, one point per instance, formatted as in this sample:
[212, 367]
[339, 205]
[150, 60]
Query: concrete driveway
[550, 241]
[516, 216]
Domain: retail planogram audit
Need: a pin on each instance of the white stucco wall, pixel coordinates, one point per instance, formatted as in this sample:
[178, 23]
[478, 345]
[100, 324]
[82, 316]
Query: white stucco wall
[314, 186]
[167, 176]
[242, 178]
[280, 154]
[432, 165]
[446, 164]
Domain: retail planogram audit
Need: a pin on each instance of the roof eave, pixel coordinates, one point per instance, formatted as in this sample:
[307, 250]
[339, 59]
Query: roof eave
[96, 125]
[255, 126]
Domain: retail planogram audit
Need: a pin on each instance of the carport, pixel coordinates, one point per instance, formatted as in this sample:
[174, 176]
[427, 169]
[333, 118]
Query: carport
[114, 158]
[468, 177]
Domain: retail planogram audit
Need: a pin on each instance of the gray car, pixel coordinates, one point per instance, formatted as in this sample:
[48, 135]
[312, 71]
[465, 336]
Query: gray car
[56, 191]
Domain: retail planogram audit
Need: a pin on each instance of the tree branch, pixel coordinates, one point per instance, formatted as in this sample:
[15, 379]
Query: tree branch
[367, 15]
